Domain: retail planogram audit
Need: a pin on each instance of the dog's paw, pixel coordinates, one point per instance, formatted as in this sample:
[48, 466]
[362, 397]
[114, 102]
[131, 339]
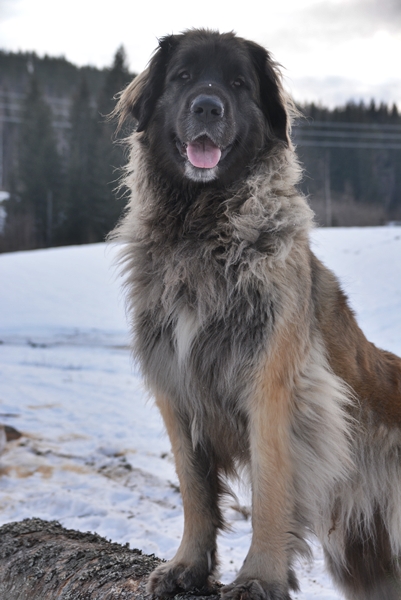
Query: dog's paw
[171, 578]
[255, 589]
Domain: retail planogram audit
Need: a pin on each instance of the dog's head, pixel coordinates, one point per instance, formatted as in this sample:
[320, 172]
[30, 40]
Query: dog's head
[208, 103]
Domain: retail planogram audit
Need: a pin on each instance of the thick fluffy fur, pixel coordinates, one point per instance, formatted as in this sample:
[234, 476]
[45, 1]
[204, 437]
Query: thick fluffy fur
[246, 340]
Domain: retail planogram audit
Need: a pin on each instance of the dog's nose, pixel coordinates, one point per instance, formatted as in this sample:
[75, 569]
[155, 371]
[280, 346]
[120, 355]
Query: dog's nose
[207, 108]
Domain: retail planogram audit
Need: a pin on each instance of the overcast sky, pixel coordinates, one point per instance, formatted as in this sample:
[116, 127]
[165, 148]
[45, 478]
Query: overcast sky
[332, 50]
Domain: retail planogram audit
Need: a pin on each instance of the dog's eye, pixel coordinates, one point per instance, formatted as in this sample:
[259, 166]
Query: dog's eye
[184, 75]
[239, 82]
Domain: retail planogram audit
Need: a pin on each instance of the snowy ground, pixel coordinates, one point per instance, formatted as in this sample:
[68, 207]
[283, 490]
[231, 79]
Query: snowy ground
[94, 454]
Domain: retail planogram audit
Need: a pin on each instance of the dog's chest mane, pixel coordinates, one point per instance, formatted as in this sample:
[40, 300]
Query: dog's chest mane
[218, 255]
[204, 279]
[208, 305]
[210, 261]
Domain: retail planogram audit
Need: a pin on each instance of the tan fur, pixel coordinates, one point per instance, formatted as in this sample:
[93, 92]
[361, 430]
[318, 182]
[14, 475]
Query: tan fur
[372, 373]
[271, 464]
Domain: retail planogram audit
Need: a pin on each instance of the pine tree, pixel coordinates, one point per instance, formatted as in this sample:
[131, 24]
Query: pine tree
[117, 77]
[39, 180]
[110, 154]
[83, 189]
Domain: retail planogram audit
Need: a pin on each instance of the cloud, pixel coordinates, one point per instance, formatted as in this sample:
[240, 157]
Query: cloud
[330, 22]
[337, 91]
[339, 20]
[374, 15]
[353, 40]
[8, 8]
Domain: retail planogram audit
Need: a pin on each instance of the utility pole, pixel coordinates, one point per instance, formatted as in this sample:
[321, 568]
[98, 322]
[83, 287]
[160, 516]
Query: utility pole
[327, 188]
[49, 219]
[1, 157]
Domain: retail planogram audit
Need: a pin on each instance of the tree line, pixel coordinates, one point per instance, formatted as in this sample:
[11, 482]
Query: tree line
[63, 179]
[64, 162]
[352, 153]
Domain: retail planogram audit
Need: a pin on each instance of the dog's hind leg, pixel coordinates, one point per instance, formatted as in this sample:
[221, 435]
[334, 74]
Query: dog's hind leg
[361, 562]
[200, 488]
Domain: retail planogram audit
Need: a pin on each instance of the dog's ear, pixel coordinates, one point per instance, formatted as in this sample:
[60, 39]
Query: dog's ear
[140, 96]
[271, 92]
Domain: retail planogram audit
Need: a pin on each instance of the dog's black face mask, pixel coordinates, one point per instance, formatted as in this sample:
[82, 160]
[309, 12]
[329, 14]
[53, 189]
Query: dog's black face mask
[210, 104]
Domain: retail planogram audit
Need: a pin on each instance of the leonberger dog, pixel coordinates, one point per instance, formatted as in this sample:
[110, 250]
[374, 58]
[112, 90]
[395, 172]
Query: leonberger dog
[245, 339]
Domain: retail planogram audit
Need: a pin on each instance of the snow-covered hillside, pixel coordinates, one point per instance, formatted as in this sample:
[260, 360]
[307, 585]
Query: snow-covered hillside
[94, 454]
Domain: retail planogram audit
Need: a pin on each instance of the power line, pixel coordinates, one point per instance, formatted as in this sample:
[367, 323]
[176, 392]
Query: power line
[359, 136]
[18, 120]
[347, 125]
[344, 144]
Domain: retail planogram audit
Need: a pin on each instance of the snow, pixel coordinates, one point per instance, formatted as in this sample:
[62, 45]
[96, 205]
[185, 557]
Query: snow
[94, 454]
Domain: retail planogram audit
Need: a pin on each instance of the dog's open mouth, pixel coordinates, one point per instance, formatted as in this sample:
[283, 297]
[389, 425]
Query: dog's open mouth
[202, 152]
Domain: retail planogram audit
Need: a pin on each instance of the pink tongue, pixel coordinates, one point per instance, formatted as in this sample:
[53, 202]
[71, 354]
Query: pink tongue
[203, 153]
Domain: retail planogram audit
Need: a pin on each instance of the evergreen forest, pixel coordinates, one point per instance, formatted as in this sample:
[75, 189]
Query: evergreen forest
[60, 160]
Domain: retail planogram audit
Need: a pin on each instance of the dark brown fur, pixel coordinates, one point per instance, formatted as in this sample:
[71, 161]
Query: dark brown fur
[245, 339]
[373, 374]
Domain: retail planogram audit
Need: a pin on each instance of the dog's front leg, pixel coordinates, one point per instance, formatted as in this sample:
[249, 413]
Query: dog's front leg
[266, 573]
[195, 559]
